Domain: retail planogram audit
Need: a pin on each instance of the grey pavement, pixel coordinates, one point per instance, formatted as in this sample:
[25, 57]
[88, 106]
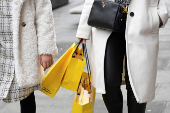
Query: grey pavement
[66, 26]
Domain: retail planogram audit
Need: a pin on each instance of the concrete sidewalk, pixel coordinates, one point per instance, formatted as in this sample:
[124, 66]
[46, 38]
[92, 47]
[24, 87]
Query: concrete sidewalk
[66, 26]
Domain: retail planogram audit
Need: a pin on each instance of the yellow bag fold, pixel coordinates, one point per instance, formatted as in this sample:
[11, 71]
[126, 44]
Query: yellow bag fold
[74, 71]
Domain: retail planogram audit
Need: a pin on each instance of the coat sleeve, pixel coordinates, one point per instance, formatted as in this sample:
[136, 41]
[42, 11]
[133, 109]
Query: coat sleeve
[45, 28]
[84, 30]
[164, 10]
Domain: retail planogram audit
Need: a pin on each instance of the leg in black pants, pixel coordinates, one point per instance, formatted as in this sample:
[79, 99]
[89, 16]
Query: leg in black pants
[133, 106]
[115, 51]
[28, 104]
[113, 72]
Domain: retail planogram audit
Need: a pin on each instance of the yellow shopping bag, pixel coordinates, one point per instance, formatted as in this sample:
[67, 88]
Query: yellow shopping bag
[84, 101]
[86, 108]
[52, 80]
[85, 95]
[74, 71]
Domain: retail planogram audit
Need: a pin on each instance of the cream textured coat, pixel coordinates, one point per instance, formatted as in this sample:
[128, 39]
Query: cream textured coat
[36, 38]
[142, 42]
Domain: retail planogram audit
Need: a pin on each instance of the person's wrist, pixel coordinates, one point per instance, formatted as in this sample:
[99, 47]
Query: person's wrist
[84, 40]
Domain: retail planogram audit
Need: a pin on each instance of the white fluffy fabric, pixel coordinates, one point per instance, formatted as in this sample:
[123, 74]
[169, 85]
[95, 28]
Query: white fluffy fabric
[36, 38]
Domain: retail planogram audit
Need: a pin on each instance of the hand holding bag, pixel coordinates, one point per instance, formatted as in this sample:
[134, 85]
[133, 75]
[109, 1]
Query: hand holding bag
[53, 79]
[109, 15]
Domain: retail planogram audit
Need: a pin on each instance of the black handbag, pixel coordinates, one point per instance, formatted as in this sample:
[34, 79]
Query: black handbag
[109, 15]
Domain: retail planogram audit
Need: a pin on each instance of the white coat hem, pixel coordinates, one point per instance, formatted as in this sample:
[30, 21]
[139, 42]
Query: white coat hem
[146, 99]
[129, 72]
[130, 79]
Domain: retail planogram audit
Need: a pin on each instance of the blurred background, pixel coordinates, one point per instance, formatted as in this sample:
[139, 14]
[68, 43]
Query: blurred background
[66, 15]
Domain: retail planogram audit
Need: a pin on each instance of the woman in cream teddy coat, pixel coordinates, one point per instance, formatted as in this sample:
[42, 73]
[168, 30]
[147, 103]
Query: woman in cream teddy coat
[28, 41]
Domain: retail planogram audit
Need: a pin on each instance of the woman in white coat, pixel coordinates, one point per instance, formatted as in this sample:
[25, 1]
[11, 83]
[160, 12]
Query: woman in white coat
[27, 40]
[139, 43]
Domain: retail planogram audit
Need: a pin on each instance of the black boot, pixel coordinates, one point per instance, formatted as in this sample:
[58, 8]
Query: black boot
[112, 108]
[134, 107]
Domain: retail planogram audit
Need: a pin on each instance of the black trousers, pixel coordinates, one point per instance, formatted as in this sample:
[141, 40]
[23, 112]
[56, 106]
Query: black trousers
[113, 66]
[28, 104]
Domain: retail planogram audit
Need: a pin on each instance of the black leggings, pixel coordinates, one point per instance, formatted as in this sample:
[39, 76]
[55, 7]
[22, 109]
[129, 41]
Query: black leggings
[28, 104]
[113, 66]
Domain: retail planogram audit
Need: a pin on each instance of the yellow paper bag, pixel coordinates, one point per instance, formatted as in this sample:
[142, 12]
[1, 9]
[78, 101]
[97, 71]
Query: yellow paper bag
[83, 101]
[52, 80]
[74, 71]
[84, 108]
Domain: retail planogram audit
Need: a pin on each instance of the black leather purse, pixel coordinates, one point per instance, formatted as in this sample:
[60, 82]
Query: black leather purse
[109, 15]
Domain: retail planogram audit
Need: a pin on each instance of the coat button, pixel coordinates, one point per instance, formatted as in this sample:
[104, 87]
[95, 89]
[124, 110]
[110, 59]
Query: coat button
[23, 24]
[132, 14]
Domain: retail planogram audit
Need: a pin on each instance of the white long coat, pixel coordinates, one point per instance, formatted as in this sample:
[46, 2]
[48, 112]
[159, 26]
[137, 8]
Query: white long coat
[37, 37]
[142, 42]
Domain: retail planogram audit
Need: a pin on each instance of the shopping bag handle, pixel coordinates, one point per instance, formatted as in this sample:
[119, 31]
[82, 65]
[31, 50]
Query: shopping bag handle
[87, 61]
[88, 66]
[78, 44]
